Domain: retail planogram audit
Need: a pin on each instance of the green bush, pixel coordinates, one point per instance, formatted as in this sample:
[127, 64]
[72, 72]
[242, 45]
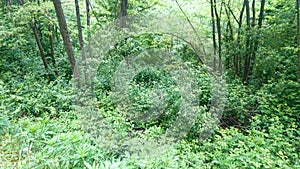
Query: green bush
[278, 100]
[240, 106]
[142, 101]
[35, 98]
[254, 149]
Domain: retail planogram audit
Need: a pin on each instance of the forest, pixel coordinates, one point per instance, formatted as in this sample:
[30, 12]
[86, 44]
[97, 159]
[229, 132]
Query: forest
[142, 84]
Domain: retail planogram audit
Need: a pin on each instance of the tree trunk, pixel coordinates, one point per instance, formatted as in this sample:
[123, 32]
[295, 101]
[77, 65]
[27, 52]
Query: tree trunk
[247, 53]
[253, 14]
[256, 40]
[230, 36]
[38, 40]
[81, 42]
[52, 50]
[261, 13]
[238, 58]
[218, 19]
[298, 37]
[88, 23]
[213, 34]
[123, 17]
[39, 44]
[229, 24]
[66, 38]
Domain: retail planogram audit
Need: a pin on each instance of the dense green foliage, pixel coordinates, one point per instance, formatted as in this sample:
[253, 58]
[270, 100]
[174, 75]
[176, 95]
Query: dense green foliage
[41, 128]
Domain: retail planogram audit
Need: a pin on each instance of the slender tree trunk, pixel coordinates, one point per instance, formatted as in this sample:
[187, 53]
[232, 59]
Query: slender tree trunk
[230, 36]
[261, 13]
[88, 23]
[239, 57]
[123, 18]
[66, 38]
[247, 53]
[213, 34]
[253, 14]
[52, 50]
[81, 42]
[38, 40]
[232, 13]
[298, 37]
[91, 10]
[39, 44]
[218, 19]
[256, 40]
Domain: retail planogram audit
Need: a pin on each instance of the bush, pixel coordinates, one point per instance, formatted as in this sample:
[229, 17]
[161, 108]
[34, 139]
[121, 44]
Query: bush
[278, 100]
[35, 98]
[240, 106]
[254, 149]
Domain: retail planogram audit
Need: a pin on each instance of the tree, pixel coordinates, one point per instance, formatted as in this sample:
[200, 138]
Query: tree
[123, 16]
[51, 41]
[253, 13]
[256, 40]
[238, 57]
[247, 52]
[66, 37]
[298, 36]
[88, 23]
[81, 42]
[39, 44]
[218, 19]
[212, 4]
[37, 38]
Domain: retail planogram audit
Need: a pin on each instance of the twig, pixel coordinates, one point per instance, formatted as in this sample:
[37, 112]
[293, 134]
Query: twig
[189, 21]
[148, 7]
